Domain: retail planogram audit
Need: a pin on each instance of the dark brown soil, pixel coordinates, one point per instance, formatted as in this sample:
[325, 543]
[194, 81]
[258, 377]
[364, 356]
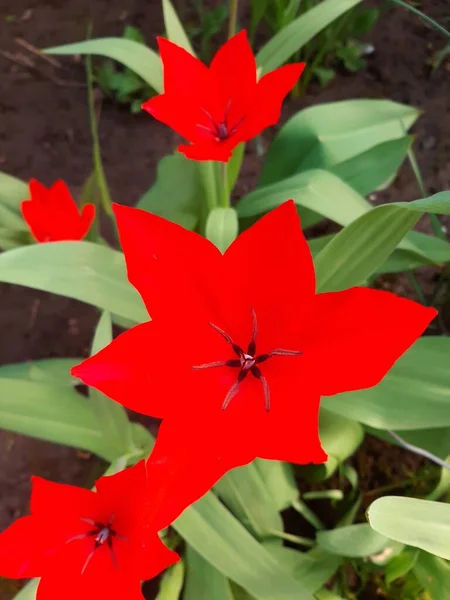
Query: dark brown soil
[44, 133]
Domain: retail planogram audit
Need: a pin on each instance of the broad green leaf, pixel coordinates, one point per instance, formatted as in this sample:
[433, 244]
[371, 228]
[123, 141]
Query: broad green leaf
[28, 592]
[171, 582]
[176, 193]
[88, 272]
[434, 575]
[340, 438]
[139, 58]
[353, 541]
[218, 537]
[415, 394]
[12, 191]
[299, 32]
[203, 581]
[363, 246]
[48, 370]
[420, 523]
[234, 166]
[280, 481]
[400, 565]
[222, 227]
[51, 412]
[245, 493]
[375, 167]
[112, 418]
[325, 135]
[174, 28]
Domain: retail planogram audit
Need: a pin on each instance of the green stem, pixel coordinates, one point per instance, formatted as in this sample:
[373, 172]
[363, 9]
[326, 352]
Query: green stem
[208, 173]
[232, 18]
[415, 284]
[294, 539]
[96, 154]
[423, 16]
[225, 192]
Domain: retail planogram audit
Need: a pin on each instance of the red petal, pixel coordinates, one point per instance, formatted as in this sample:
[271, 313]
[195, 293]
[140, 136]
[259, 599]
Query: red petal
[218, 151]
[233, 71]
[21, 550]
[172, 268]
[184, 75]
[270, 93]
[270, 270]
[38, 191]
[179, 113]
[86, 219]
[33, 217]
[354, 337]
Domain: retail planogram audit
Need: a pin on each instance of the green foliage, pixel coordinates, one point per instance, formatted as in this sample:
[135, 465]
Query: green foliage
[207, 24]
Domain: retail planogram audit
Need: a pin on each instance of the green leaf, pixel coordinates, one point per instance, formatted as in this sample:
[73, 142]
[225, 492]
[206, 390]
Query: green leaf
[434, 575]
[218, 537]
[340, 438]
[280, 481]
[174, 28]
[400, 565]
[325, 135]
[364, 245]
[112, 418]
[222, 227]
[203, 581]
[88, 272]
[176, 193]
[354, 541]
[47, 370]
[299, 32]
[245, 493]
[373, 168]
[171, 582]
[28, 592]
[234, 166]
[51, 412]
[12, 191]
[420, 523]
[139, 58]
[413, 395]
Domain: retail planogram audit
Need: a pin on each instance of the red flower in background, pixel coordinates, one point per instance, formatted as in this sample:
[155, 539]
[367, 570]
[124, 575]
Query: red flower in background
[53, 215]
[219, 107]
[87, 545]
[240, 347]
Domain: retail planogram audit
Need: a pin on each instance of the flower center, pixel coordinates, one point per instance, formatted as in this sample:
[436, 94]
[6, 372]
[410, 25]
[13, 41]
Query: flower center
[220, 130]
[103, 534]
[247, 362]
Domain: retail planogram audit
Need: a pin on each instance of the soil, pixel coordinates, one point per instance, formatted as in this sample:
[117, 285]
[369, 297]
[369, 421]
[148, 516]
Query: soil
[44, 133]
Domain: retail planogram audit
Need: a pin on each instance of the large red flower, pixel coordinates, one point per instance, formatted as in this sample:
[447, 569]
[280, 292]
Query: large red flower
[217, 108]
[240, 347]
[87, 545]
[52, 214]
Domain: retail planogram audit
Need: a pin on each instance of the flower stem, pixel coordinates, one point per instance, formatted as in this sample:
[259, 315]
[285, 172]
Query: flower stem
[225, 196]
[294, 539]
[420, 451]
[232, 12]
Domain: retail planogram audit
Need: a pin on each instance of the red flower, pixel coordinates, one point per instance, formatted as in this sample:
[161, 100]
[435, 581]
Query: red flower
[240, 347]
[219, 107]
[87, 545]
[52, 214]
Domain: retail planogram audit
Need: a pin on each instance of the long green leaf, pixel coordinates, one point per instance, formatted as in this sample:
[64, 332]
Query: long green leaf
[326, 135]
[434, 575]
[218, 537]
[415, 394]
[88, 272]
[364, 245]
[298, 33]
[174, 28]
[47, 370]
[352, 540]
[12, 191]
[139, 58]
[203, 581]
[420, 523]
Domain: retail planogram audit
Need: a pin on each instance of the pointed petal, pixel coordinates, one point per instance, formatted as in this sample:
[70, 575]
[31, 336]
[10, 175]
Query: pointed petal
[38, 191]
[33, 217]
[21, 550]
[354, 337]
[270, 93]
[86, 219]
[233, 70]
[270, 271]
[184, 75]
[57, 502]
[179, 113]
[172, 268]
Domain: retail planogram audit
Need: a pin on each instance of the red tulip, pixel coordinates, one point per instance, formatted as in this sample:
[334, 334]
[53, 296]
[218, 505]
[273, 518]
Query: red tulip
[87, 545]
[241, 347]
[219, 107]
[53, 215]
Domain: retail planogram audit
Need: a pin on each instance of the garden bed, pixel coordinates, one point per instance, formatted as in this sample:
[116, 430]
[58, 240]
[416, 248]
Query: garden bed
[45, 134]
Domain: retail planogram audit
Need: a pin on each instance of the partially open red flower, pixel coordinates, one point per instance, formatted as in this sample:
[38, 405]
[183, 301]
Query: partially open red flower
[217, 108]
[240, 347]
[53, 215]
[87, 545]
